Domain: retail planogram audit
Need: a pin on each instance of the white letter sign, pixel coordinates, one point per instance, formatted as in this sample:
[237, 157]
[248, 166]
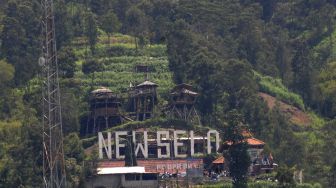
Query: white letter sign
[160, 144]
[178, 144]
[192, 143]
[138, 146]
[209, 140]
[118, 145]
[101, 143]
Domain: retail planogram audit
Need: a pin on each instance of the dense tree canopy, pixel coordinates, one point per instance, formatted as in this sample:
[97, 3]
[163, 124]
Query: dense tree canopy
[219, 46]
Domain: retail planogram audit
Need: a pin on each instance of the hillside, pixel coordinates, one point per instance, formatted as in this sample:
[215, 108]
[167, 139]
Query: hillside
[296, 116]
[119, 60]
[263, 65]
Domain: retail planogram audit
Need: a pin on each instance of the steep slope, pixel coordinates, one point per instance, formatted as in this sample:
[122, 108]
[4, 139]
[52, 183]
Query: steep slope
[275, 94]
[296, 116]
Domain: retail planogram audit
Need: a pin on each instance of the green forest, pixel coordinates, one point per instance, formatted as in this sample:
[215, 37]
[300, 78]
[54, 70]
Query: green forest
[265, 64]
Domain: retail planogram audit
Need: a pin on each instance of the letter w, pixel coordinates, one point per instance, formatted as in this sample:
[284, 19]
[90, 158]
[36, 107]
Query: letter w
[139, 146]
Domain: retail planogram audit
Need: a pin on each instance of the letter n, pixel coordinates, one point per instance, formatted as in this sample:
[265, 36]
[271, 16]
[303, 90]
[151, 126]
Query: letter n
[102, 145]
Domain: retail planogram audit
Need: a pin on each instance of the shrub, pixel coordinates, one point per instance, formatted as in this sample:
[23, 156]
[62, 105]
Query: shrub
[155, 50]
[263, 184]
[274, 87]
[305, 185]
[121, 51]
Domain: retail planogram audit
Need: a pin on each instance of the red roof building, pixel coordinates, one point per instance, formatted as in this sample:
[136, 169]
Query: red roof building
[260, 163]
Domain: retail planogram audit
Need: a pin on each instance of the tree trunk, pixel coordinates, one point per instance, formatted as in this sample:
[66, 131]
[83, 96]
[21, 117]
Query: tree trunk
[136, 43]
[109, 40]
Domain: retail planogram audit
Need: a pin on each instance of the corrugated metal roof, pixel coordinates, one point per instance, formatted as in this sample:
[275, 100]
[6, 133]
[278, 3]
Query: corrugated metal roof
[121, 170]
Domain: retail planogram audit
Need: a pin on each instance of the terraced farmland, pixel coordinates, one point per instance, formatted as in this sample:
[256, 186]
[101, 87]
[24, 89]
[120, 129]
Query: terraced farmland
[119, 59]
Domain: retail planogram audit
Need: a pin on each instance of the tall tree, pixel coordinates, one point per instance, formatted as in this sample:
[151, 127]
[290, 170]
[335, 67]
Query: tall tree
[302, 71]
[110, 24]
[74, 157]
[67, 62]
[326, 90]
[63, 26]
[285, 177]
[137, 23]
[283, 58]
[120, 7]
[91, 30]
[202, 71]
[180, 48]
[100, 7]
[20, 46]
[237, 156]
[6, 73]
[130, 158]
[332, 175]
[268, 9]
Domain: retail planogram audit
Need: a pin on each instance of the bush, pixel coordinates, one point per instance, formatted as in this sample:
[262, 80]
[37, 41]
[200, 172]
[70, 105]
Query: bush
[155, 50]
[274, 87]
[263, 184]
[307, 185]
[119, 50]
[89, 142]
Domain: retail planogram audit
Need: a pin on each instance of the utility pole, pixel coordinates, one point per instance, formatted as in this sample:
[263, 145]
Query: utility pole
[53, 155]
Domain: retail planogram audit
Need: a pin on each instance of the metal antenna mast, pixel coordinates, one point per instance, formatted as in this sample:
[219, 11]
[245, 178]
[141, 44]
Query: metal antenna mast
[53, 155]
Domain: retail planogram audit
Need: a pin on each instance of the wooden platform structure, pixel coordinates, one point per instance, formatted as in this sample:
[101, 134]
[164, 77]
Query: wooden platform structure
[142, 100]
[105, 110]
[182, 104]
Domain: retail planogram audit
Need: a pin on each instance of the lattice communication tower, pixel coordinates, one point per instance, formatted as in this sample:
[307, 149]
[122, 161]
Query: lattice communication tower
[53, 156]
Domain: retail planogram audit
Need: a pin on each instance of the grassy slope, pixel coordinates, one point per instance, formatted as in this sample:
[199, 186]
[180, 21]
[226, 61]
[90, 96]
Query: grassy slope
[119, 67]
[275, 87]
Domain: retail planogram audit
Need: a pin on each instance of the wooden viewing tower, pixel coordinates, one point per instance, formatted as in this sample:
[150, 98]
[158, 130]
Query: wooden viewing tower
[104, 110]
[182, 104]
[142, 100]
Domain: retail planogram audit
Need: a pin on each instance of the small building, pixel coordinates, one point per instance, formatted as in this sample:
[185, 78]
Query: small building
[126, 177]
[260, 163]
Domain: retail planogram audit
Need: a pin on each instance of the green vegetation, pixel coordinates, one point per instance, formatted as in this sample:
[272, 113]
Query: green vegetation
[119, 60]
[261, 184]
[229, 50]
[276, 88]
